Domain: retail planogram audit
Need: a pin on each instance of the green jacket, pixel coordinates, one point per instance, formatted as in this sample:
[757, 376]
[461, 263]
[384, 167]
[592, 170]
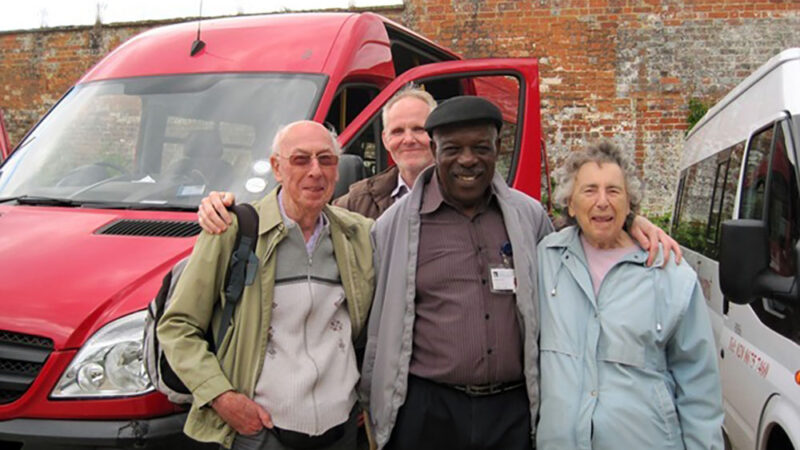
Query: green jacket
[240, 358]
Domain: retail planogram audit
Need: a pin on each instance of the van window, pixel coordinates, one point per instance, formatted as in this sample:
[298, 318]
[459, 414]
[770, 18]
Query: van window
[408, 51]
[237, 143]
[774, 175]
[706, 198]
[160, 142]
[105, 138]
[347, 104]
[503, 90]
[755, 176]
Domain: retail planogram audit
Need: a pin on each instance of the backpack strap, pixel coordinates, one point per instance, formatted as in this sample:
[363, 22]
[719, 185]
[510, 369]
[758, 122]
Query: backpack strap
[243, 264]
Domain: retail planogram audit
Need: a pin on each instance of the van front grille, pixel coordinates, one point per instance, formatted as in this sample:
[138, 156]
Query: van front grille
[151, 228]
[21, 359]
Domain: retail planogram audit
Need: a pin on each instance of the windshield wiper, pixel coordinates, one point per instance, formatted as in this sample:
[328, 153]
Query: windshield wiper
[52, 201]
[42, 201]
[140, 206]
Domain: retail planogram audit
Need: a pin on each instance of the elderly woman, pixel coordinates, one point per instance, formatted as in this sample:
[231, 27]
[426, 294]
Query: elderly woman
[626, 350]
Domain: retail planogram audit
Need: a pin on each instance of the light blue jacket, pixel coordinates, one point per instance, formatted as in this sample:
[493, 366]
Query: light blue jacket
[631, 368]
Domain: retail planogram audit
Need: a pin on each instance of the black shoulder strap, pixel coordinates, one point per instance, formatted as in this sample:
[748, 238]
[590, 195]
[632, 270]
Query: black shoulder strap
[243, 264]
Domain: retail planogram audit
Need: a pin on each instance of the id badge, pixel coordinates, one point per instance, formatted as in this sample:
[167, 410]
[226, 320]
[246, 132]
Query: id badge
[504, 280]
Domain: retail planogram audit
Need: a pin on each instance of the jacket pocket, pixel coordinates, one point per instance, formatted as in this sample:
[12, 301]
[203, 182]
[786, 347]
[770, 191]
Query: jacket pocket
[548, 342]
[617, 351]
[666, 409]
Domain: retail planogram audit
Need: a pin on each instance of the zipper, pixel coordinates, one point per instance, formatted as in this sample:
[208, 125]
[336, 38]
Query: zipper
[305, 343]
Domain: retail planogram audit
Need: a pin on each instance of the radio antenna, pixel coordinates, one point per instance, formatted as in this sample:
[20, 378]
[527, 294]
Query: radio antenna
[198, 43]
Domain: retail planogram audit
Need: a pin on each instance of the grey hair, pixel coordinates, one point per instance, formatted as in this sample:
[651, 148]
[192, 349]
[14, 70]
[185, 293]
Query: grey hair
[600, 152]
[284, 129]
[407, 92]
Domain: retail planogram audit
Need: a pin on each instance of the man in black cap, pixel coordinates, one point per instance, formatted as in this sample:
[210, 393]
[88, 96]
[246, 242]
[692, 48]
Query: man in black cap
[452, 350]
[452, 353]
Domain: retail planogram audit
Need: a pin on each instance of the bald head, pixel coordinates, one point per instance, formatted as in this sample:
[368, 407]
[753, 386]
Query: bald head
[300, 127]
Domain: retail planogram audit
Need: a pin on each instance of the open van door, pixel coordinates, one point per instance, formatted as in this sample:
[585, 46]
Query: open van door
[5, 145]
[512, 84]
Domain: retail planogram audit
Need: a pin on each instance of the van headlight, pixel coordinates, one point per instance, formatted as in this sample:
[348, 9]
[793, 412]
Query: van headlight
[110, 363]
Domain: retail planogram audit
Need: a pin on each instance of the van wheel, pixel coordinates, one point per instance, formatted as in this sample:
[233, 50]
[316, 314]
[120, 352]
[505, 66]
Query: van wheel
[779, 440]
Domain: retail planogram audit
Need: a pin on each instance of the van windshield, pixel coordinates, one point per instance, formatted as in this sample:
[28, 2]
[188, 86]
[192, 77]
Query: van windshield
[159, 142]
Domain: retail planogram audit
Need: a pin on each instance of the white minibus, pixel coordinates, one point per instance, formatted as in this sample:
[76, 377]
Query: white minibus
[737, 216]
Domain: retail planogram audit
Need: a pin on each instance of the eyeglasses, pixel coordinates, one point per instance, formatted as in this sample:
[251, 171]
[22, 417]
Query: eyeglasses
[304, 159]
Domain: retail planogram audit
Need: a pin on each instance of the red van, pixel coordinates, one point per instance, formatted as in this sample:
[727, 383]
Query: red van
[98, 200]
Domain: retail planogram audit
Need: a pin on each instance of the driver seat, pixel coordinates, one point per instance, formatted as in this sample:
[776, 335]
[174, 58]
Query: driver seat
[203, 154]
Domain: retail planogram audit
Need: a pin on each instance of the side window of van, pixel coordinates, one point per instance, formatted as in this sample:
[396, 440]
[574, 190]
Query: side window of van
[503, 90]
[706, 197]
[772, 194]
[755, 177]
[349, 102]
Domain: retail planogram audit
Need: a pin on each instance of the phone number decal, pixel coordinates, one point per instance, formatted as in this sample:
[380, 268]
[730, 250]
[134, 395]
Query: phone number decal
[750, 358]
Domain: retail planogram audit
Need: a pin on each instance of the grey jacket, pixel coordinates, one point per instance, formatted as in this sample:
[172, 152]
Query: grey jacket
[384, 376]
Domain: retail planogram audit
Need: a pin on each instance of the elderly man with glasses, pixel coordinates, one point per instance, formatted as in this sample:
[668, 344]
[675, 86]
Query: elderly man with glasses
[285, 373]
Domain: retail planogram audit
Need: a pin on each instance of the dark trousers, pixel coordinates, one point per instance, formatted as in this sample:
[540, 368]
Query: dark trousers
[438, 417]
[266, 440]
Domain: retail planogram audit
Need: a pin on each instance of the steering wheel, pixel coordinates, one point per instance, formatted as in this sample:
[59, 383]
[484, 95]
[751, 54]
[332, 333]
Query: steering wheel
[89, 174]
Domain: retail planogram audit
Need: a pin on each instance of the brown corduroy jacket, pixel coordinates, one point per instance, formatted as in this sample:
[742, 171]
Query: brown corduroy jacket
[370, 197]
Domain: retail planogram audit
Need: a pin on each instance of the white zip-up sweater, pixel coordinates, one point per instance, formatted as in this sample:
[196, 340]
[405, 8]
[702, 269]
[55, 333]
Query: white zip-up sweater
[309, 375]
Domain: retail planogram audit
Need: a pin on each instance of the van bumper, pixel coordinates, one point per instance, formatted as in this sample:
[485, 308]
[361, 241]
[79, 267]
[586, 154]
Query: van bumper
[33, 434]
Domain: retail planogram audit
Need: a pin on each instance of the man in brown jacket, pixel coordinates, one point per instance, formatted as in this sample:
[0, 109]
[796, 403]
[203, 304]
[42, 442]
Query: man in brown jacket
[405, 138]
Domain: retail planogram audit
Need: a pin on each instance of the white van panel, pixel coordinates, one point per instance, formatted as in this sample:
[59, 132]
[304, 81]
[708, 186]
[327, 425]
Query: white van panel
[758, 365]
[772, 88]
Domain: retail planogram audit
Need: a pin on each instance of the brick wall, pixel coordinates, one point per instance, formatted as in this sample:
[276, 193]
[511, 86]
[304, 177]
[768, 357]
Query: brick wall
[38, 67]
[623, 69]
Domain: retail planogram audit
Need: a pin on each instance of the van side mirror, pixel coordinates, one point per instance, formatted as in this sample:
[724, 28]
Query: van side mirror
[744, 272]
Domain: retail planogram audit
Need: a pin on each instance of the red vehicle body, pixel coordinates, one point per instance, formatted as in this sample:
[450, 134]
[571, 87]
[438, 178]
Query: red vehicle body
[5, 146]
[94, 208]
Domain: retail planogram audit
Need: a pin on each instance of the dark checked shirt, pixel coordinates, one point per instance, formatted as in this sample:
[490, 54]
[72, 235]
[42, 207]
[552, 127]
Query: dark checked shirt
[463, 333]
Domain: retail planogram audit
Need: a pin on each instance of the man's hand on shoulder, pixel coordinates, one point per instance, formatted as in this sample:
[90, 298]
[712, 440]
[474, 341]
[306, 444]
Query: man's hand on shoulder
[648, 236]
[212, 215]
[242, 414]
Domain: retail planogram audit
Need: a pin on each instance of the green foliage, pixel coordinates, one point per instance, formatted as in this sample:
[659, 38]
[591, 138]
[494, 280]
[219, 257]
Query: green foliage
[689, 234]
[660, 220]
[697, 109]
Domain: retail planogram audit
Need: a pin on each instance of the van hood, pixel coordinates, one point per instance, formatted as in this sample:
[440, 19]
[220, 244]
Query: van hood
[60, 279]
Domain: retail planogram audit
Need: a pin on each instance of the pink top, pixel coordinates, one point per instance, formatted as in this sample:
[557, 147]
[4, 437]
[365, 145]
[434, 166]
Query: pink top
[602, 260]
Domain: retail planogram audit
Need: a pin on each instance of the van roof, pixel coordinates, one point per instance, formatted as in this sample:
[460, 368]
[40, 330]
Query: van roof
[309, 43]
[755, 102]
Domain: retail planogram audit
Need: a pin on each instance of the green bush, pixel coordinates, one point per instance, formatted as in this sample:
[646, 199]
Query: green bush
[697, 109]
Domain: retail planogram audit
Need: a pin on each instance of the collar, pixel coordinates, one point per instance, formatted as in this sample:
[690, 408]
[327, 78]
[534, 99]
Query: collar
[269, 216]
[401, 189]
[322, 221]
[569, 239]
[432, 198]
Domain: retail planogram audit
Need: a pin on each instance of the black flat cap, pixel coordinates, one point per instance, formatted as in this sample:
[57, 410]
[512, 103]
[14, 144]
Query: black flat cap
[464, 108]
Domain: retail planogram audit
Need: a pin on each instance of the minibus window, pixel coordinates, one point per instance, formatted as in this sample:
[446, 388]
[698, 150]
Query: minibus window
[755, 178]
[706, 199]
[782, 204]
[503, 90]
[348, 103]
[160, 142]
